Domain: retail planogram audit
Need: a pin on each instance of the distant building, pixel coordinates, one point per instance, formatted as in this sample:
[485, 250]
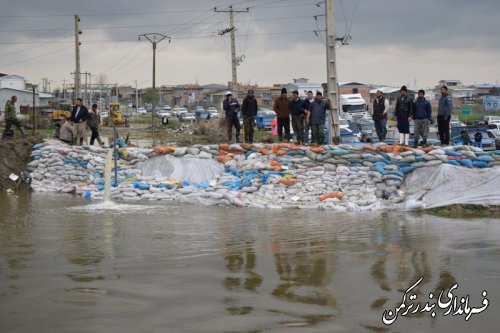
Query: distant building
[17, 85]
[354, 88]
[302, 85]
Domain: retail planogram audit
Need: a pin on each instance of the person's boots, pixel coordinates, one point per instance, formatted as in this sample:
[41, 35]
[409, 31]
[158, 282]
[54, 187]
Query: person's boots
[81, 141]
[100, 142]
[424, 143]
[415, 143]
[238, 137]
[23, 132]
[407, 138]
[401, 138]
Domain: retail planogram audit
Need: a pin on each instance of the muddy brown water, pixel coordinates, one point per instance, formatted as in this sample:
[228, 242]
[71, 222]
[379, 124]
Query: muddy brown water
[69, 265]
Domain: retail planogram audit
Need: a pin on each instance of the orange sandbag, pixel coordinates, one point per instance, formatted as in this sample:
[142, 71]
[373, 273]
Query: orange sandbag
[274, 163]
[246, 146]
[317, 150]
[280, 152]
[264, 151]
[164, 150]
[288, 181]
[224, 159]
[224, 146]
[325, 196]
[222, 152]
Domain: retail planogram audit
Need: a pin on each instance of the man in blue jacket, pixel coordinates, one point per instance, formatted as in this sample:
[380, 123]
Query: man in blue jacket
[298, 116]
[444, 116]
[79, 117]
[422, 112]
[317, 118]
[231, 107]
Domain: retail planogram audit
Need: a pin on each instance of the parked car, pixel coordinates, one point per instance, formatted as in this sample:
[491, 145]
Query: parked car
[187, 116]
[181, 111]
[213, 112]
[160, 113]
[168, 108]
[201, 114]
[487, 120]
[141, 111]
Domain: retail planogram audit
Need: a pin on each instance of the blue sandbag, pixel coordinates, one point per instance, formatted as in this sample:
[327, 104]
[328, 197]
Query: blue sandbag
[141, 185]
[466, 162]
[393, 172]
[185, 183]
[450, 152]
[384, 154]
[202, 185]
[480, 164]
[406, 169]
[83, 164]
[121, 143]
[296, 152]
[338, 152]
[38, 146]
[453, 162]
[100, 187]
[129, 175]
[497, 152]
[36, 158]
[70, 161]
[486, 158]
[167, 186]
[232, 171]
[420, 159]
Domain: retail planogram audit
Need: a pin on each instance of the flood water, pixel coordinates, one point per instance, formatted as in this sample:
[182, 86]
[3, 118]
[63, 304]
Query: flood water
[69, 265]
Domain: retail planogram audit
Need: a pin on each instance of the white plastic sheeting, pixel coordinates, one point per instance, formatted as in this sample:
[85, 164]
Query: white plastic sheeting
[447, 184]
[191, 169]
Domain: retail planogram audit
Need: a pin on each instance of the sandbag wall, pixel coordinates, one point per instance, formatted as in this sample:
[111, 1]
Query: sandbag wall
[276, 176]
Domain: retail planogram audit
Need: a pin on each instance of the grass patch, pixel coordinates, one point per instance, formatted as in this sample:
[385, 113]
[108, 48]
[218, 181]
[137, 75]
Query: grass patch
[461, 211]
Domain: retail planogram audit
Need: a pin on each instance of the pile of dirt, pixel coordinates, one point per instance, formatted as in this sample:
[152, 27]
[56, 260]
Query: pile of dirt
[14, 157]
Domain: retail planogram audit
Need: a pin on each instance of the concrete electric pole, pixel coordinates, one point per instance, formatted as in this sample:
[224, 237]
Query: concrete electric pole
[77, 55]
[154, 38]
[235, 61]
[331, 67]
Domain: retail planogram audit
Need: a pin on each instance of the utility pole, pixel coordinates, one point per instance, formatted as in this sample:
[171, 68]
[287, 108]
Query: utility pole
[136, 100]
[154, 38]
[64, 88]
[331, 67]
[235, 61]
[77, 54]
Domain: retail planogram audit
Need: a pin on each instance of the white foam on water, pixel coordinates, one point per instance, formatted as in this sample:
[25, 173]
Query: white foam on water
[111, 206]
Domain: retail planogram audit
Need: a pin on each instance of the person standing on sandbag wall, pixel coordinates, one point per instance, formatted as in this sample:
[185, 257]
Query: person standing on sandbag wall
[231, 107]
[317, 118]
[249, 109]
[444, 115]
[298, 115]
[305, 104]
[11, 118]
[403, 112]
[422, 113]
[79, 117]
[94, 121]
[282, 109]
[379, 116]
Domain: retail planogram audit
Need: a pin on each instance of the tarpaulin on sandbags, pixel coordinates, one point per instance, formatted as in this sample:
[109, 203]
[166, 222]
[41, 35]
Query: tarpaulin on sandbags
[194, 170]
[447, 184]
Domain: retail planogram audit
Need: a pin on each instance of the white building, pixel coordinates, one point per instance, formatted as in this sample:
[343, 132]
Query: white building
[15, 85]
[303, 85]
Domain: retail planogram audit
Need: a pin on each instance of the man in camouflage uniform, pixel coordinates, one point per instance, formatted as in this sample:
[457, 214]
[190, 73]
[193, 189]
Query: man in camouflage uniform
[11, 118]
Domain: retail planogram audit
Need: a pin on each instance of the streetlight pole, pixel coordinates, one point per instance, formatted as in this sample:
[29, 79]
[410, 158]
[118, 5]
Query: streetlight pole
[154, 38]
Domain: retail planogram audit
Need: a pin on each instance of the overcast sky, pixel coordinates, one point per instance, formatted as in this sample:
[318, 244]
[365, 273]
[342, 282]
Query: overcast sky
[394, 42]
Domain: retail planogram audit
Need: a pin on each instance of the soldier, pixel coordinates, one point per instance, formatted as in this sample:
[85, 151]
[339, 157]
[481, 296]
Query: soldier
[11, 118]
[249, 109]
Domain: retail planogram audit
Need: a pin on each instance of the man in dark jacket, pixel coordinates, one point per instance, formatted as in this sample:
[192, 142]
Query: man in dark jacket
[478, 138]
[249, 110]
[298, 115]
[231, 107]
[444, 115]
[403, 112]
[317, 118]
[422, 113]
[282, 109]
[380, 108]
[79, 117]
[305, 104]
[93, 123]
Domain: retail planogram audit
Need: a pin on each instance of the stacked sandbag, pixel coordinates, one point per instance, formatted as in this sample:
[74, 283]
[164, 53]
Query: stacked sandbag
[338, 177]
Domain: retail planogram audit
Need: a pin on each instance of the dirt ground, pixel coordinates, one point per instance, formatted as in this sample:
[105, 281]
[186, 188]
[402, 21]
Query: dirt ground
[14, 157]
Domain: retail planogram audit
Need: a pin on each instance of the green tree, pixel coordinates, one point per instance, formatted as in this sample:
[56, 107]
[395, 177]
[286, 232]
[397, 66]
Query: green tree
[149, 95]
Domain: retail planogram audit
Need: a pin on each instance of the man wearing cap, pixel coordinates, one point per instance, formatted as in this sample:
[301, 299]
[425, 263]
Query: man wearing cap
[249, 109]
[379, 116]
[298, 115]
[317, 118]
[282, 109]
[231, 107]
[403, 112]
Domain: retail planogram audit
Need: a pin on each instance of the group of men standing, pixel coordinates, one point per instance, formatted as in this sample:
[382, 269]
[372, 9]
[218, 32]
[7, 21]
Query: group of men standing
[306, 114]
[419, 110]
